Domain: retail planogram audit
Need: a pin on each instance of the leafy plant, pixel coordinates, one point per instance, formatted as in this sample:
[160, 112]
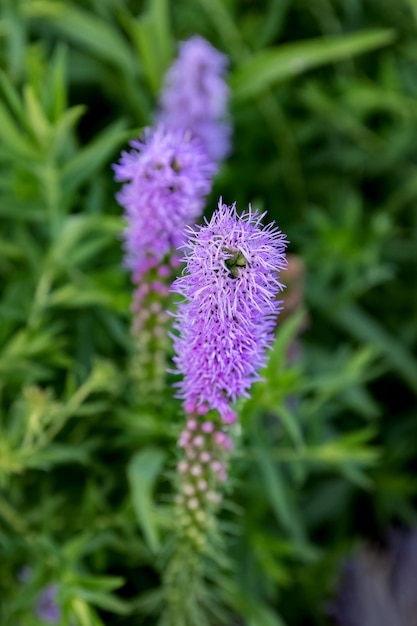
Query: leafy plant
[323, 108]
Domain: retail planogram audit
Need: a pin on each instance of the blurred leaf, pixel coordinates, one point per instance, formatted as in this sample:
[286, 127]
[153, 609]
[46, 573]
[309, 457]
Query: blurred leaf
[80, 238]
[15, 142]
[264, 616]
[73, 297]
[25, 346]
[90, 158]
[254, 611]
[352, 368]
[84, 614]
[279, 379]
[367, 329]
[64, 125]
[102, 600]
[291, 425]
[37, 118]
[12, 98]
[273, 22]
[56, 454]
[86, 29]
[277, 490]
[353, 448]
[269, 67]
[152, 36]
[99, 583]
[226, 27]
[143, 470]
[56, 95]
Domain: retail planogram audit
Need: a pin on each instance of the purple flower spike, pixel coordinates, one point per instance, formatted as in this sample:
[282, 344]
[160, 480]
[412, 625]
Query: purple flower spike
[195, 96]
[167, 176]
[47, 608]
[226, 324]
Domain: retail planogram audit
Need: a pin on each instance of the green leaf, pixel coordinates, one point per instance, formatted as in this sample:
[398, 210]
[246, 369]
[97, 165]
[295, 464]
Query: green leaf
[94, 155]
[275, 65]
[261, 615]
[353, 449]
[287, 333]
[279, 379]
[73, 297]
[273, 22]
[254, 612]
[100, 583]
[15, 142]
[222, 20]
[81, 236]
[153, 39]
[56, 94]
[84, 614]
[63, 128]
[367, 329]
[87, 29]
[56, 454]
[102, 600]
[277, 491]
[143, 470]
[12, 98]
[39, 123]
[145, 41]
[291, 425]
[161, 17]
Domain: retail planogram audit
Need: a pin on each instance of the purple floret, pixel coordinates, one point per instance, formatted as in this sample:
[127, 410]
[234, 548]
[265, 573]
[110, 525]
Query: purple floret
[227, 321]
[47, 608]
[167, 175]
[195, 96]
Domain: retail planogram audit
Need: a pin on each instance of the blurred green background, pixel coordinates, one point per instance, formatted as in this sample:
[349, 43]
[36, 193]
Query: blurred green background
[324, 109]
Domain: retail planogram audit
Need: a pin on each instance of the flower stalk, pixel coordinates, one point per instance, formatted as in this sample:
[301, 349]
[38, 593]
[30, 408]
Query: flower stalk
[224, 326]
[166, 177]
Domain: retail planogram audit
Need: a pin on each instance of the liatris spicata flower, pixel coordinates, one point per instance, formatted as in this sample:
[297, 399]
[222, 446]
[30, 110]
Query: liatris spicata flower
[195, 96]
[166, 177]
[225, 325]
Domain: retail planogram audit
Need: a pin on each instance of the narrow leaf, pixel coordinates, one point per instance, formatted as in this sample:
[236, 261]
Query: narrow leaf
[93, 156]
[87, 29]
[143, 470]
[274, 65]
[367, 329]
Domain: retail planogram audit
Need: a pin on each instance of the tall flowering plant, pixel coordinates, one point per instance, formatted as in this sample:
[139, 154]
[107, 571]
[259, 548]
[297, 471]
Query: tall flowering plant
[166, 176]
[224, 324]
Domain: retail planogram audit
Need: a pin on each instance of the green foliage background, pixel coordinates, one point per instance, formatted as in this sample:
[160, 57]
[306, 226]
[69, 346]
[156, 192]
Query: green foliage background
[324, 106]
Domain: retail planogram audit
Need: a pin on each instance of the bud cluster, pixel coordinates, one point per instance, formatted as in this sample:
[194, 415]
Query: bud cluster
[202, 469]
[149, 322]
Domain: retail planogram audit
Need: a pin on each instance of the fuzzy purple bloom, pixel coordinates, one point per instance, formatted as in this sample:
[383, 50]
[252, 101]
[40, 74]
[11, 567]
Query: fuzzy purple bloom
[167, 176]
[226, 323]
[47, 608]
[195, 96]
